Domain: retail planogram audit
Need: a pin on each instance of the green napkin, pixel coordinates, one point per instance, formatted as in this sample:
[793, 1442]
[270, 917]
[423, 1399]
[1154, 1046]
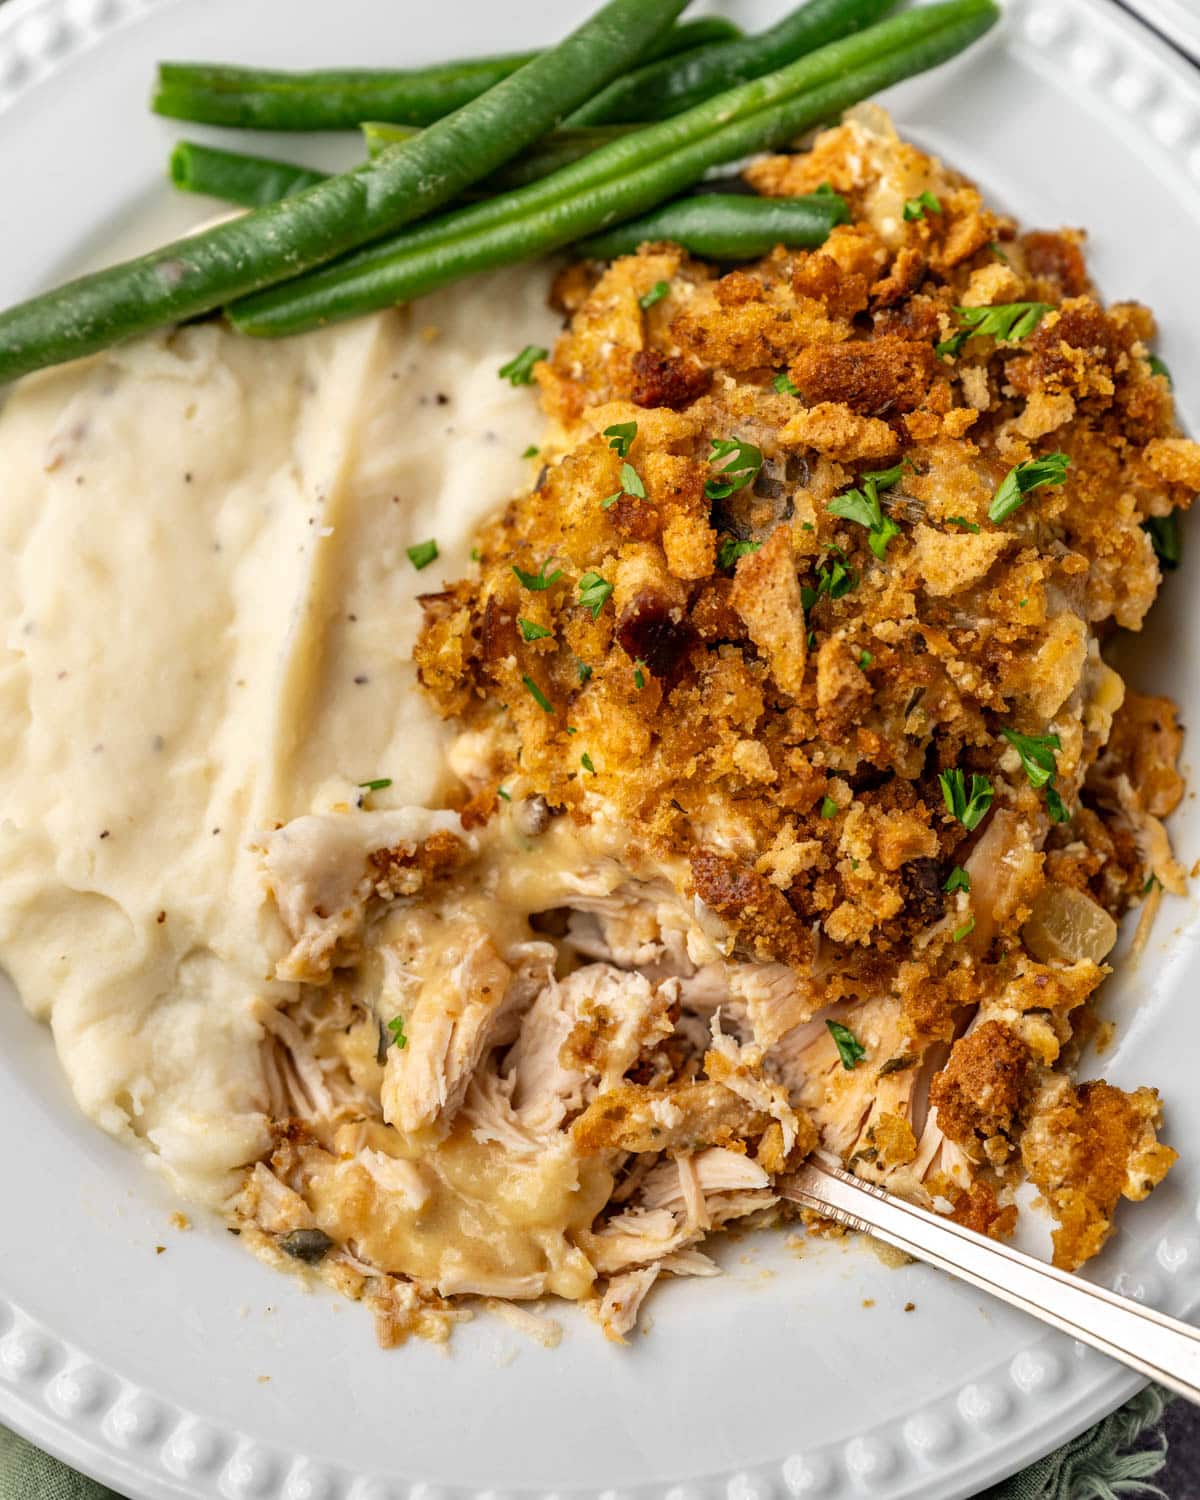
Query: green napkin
[26, 1473]
[1101, 1464]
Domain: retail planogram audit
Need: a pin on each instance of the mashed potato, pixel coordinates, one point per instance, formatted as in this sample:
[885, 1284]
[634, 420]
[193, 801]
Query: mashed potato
[209, 613]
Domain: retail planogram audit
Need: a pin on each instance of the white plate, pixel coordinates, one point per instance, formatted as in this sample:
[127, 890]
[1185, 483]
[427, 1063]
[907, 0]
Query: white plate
[1177, 19]
[147, 1370]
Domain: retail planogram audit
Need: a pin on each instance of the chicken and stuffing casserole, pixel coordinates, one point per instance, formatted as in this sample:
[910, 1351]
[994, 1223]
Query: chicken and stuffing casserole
[797, 804]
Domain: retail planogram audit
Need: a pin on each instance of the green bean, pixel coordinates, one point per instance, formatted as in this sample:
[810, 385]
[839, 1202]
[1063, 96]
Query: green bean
[558, 149]
[726, 226]
[622, 180]
[196, 274]
[665, 88]
[253, 181]
[268, 99]
[250, 181]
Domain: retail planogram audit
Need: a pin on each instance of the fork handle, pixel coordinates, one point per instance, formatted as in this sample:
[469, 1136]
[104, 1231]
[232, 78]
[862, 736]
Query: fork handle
[1163, 1348]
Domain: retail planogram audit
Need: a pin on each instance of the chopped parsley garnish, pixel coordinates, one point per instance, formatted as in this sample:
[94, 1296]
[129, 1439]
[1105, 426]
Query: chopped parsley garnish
[1007, 321]
[863, 507]
[957, 880]
[585, 760]
[421, 554]
[631, 481]
[1157, 367]
[639, 674]
[539, 581]
[897, 1064]
[571, 729]
[1021, 481]
[914, 208]
[500, 792]
[532, 451]
[967, 927]
[582, 670]
[1038, 754]
[378, 785]
[829, 808]
[519, 371]
[961, 521]
[850, 1049]
[594, 592]
[745, 460]
[1165, 538]
[620, 435]
[833, 580]
[730, 549]
[656, 293]
[396, 1027]
[538, 696]
[864, 660]
[1055, 806]
[476, 555]
[967, 803]
[785, 385]
[1151, 882]
[997, 252]
[531, 631]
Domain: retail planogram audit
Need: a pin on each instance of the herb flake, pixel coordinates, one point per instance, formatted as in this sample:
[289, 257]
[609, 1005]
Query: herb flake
[730, 549]
[377, 785]
[537, 582]
[396, 1027]
[585, 760]
[538, 696]
[863, 507]
[745, 460]
[849, 1048]
[1037, 752]
[1020, 482]
[532, 631]
[421, 554]
[519, 370]
[968, 802]
[594, 592]
[957, 880]
[657, 292]
[916, 208]
[785, 385]
[1010, 322]
[620, 437]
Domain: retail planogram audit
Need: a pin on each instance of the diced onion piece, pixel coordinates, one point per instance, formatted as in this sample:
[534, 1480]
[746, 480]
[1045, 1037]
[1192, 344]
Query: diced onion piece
[1066, 924]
